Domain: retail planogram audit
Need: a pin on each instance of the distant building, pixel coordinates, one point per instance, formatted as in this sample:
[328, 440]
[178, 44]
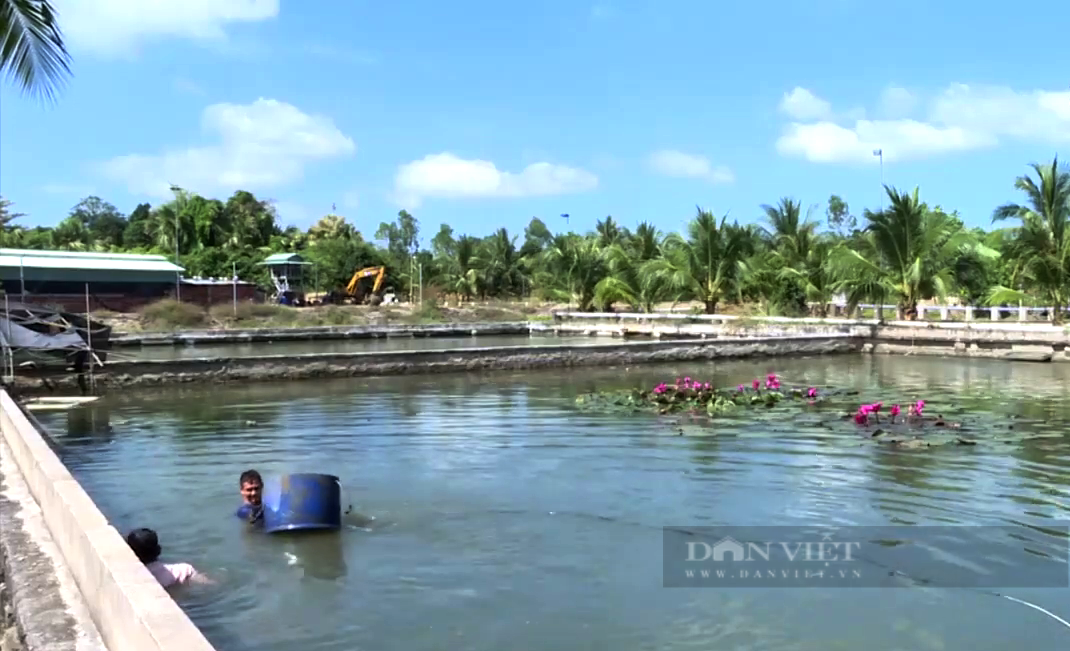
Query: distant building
[289, 275]
[219, 291]
[119, 282]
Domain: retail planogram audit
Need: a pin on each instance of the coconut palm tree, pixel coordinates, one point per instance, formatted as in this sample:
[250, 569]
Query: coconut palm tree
[905, 252]
[32, 53]
[461, 271]
[609, 232]
[815, 274]
[706, 264]
[789, 233]
[785, 273]
[1039, 249]
[501, 263]
[628, 276]
[573, 266]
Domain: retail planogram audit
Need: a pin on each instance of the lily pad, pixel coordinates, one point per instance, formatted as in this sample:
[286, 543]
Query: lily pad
[828, 414]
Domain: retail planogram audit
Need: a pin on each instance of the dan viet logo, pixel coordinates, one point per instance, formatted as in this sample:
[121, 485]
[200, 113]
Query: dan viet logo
[788, 563]
[811, 556]
[824, 551]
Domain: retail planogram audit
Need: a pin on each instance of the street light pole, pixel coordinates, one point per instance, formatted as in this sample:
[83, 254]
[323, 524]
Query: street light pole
[879, 153]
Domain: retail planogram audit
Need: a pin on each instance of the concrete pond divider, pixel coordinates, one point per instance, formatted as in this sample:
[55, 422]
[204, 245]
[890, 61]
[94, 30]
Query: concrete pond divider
[316, 333]
[130, 609]
[1012, 341]
[405, 362]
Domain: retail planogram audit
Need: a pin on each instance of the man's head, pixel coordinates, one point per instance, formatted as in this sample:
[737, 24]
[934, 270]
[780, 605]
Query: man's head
[145, 544]
[252, 486]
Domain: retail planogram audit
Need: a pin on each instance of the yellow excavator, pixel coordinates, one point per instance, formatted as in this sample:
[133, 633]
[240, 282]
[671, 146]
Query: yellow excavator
[352, 291]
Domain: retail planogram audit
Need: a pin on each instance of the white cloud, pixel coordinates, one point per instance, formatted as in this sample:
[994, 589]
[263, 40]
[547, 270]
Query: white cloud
[960, 118]
[447, 176]
[801, 104]
[897, 102]
[264, 144]
[118, 26]
[677, 163]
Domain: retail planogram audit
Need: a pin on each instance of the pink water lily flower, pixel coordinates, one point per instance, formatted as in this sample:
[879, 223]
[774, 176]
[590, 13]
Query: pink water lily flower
[862, 416]
[740, 388]
[756, 384]
[894, 411]
[918, 406]
[811, 392]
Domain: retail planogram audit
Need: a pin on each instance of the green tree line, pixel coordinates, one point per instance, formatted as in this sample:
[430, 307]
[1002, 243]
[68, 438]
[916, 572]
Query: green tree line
[902, 254]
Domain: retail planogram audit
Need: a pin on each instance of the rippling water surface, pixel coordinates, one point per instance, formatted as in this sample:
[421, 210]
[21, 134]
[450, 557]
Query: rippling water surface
[495, 515]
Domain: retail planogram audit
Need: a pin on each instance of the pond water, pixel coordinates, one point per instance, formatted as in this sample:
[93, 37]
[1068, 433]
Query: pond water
[493, 514]
[345, 346]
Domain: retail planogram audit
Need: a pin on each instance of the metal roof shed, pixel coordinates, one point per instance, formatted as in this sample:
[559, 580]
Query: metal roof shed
[287, 271]
[88, 267]
[276, 259]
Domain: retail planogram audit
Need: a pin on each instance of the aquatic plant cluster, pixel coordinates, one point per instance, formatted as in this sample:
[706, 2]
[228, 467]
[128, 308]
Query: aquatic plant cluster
[687, 394]
[698, 398]
[914, 413]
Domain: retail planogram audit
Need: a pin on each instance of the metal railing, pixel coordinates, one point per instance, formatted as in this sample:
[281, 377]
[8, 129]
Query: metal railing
[867, 313]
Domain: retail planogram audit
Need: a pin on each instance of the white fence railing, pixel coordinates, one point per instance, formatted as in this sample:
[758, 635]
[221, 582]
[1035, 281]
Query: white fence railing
[929, 313]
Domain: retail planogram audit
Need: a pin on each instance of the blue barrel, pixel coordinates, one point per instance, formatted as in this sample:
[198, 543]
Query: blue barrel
[302, 501]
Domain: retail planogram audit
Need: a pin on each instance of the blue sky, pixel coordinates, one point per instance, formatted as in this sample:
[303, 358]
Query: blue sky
[483, 114]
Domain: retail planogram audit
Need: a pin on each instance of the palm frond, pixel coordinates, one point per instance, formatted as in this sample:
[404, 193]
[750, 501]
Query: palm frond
[32, 52]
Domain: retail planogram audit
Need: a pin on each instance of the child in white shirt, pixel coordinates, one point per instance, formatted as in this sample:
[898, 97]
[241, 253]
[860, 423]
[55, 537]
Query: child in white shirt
[146, 547]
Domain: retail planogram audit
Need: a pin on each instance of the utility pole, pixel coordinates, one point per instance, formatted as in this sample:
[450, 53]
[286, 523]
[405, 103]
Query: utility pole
[178, 261]
[412, 274]
[234, 285]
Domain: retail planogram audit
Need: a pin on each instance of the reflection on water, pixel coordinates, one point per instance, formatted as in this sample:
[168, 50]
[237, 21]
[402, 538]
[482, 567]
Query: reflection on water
[496, 515]
[346, 346]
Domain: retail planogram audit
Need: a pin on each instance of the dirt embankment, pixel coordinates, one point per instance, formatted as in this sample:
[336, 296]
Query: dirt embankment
[172, 316]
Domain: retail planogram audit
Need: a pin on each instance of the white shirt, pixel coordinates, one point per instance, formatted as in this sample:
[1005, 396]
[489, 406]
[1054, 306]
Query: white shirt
[168, 574]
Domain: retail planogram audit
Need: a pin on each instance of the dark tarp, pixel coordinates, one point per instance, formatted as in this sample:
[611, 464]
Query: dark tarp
[13, 335]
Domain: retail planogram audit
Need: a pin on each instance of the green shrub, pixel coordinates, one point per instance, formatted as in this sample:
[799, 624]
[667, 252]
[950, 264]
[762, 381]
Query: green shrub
[171, 314]
[429, 311]
[337, 316]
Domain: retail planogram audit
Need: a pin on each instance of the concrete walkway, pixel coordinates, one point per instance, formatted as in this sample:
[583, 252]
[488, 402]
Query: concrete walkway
[42, 608]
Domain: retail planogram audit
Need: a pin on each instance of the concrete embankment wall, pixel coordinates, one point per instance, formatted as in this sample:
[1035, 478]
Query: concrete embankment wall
[1013, 341]
[291, 367]
[129, 609]
[320, 333]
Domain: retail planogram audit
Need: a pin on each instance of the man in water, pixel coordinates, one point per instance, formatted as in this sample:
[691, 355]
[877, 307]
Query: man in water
[252, 488]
